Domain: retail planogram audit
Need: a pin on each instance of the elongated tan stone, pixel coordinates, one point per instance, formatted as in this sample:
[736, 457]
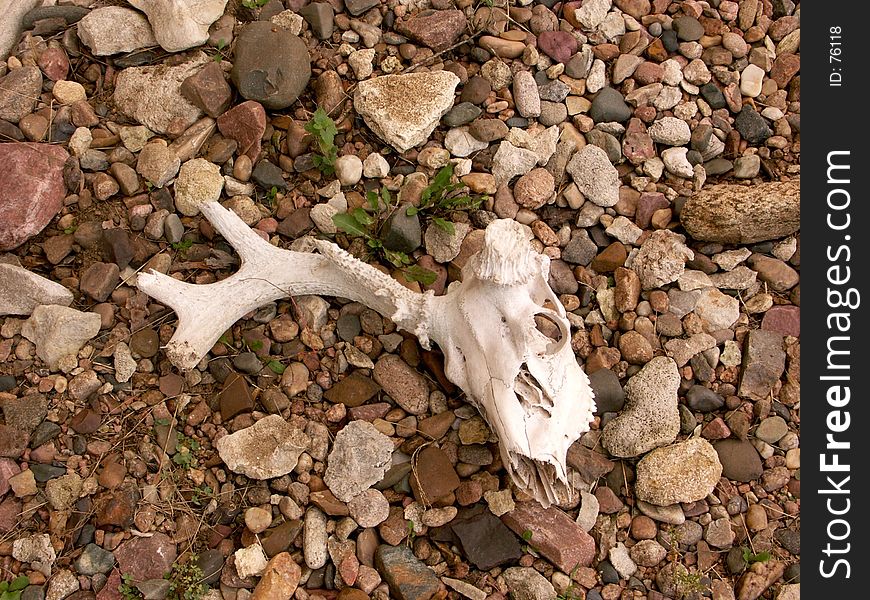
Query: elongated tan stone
[738, 214]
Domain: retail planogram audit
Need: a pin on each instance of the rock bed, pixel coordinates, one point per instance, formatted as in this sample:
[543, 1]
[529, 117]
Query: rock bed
[651, 147]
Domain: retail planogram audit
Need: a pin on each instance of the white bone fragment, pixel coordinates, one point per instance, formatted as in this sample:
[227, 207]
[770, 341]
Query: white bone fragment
[528, 387]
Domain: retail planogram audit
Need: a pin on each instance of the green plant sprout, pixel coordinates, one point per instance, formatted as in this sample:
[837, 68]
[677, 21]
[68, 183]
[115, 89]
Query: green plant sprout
[11, 590]
[323, 128]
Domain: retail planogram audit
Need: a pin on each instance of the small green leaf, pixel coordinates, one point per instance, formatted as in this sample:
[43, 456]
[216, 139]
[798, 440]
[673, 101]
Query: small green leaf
[385, 194]
[411, 211]
[374, 243]
[276, 367]
[398, 259]
[443, 177]
[162, 421]
[527, 535]
[444, 224]
[372, 198]
[362, 216]
[418, 273]
[348, 224]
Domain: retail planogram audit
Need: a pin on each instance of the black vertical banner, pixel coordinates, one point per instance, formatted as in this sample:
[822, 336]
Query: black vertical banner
[835, 450]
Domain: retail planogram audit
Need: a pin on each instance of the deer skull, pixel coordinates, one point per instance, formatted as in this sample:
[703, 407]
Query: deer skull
[527, 386]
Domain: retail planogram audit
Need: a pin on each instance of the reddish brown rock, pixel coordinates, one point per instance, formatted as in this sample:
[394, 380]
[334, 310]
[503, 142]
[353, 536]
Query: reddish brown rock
[235, 397]
[54, 63]
[31, 190]
[245, 124]
[783, 319]
[610, 258]
[784, 68]
[434, 476]
[208, 89]
[353, 390]
[99, 280]
[555, 535]
[116, 508]
[10, 508]
[438, 30]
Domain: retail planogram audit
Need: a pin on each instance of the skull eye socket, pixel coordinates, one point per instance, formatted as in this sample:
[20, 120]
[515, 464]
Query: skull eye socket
[554, 327]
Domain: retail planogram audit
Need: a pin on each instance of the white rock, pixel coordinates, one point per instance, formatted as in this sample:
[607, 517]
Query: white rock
[369, 509]
[269, 448]
[592, 13]
[375, 166]
[58, 331]
[588, 514]
[199, 181]
[314, 538]
[673, 74]
[597, 78]
[67, 92]
[661, 259]
[349, 169]
[654, 167]
[403, 110]
[80, 141]
[21, 291]
[717, 310]
[152, 95]
[510, 161]
[676, 162]
[361, 62]
[671, 131]
[250, 561]
[63, 584]
[650, 418]
[125, 364]
[114, 29]
[621, 561]
[624, 230]
[697, 73]
[359, 458]
[668, 98]
[35, 549]
[321, 215]
[181, 24]
[751, 80]
[595, 176]
[542, 142]
[461, 143]
[289, 20]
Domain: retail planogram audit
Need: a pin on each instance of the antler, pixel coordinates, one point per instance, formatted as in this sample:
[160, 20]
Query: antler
[528, 387]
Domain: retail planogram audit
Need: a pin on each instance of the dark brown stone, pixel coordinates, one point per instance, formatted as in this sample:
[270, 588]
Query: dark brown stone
[353, 390]
[433, 476]
[235, 397]
[99, 280]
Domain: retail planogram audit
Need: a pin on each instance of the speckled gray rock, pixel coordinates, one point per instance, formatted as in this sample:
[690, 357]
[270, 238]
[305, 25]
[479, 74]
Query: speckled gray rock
[738, 214]
[525, 583]
[199, 181]
[269, 448]
[59, 331]
[662, 474]
[359, 458]
[650, 418]
[526, 95]
[670, 131]
[595, 176]
[114, 29]
[21, 291]
[404, 109]
[661, 259]
[152, 95]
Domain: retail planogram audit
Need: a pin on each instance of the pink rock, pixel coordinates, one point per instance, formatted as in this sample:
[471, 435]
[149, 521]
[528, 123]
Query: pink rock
[8, 468]
[558, 45]
[9, 511]
[647, 204]
[54, 63]
[784, 319]
[208, 89]
[555, 535]
[245, 124]
[146, 558]
[31, 190]
[110, 590]
[638, 147]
